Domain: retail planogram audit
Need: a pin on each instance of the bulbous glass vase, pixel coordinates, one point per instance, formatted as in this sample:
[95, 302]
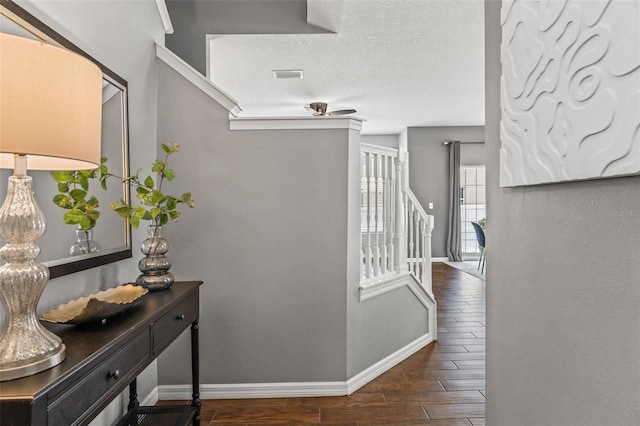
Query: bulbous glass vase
[84, 243]
[155, 265]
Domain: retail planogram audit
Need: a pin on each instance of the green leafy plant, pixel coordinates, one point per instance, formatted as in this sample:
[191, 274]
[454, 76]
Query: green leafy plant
[483, 223]
[155, 206]
[73, 190]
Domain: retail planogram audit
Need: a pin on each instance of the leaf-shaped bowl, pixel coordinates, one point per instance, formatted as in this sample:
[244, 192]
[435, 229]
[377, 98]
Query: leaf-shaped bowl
[96, 307]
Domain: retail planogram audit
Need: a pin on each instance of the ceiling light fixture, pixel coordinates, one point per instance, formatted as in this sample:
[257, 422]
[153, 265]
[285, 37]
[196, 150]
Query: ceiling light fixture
[287, 73]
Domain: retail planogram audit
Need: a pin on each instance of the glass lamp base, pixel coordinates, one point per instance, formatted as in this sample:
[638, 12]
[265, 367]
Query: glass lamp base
[27, 347]
[32, 367]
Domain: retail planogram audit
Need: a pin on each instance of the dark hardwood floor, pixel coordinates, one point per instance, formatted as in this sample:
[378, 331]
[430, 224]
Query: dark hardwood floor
[442, 384]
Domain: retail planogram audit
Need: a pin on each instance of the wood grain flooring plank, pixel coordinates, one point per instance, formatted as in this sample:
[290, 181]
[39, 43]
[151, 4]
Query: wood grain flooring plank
[285, 423]
[476, 348]
[455, 335]
[406, 423]
[458, 356]
[358, 399]
[456, 328]
[361, 414]
[237, 424]
[244, 402]
[447, 374]
[448, 422]
[265, 414]
[415, 386]
[427, 385]
[471, 316]
[443, 339]
[449, 348]
[452, 322]
[454, 411]
[464, 384]
[434, 398]
[410, 365]
[470, 365]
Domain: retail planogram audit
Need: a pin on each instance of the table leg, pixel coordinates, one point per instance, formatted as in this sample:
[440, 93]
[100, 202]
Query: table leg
[133, 395]
[195, 370]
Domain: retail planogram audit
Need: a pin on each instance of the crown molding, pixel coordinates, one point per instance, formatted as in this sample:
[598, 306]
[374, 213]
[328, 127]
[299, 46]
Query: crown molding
[197, 79]
[295, 123]
[164, 15]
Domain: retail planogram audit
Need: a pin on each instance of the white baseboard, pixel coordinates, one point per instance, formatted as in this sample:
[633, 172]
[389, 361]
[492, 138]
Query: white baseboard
[255, 390]
[384, 365]
[295, 389]
[151, 399]
[439, 259]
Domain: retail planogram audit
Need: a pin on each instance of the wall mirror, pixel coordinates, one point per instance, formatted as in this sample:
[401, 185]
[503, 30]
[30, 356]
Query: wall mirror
[111, 232]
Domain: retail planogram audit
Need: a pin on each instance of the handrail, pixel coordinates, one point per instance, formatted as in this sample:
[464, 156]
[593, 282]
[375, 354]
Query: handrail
[414, 200]
[419, 230]
[376, 149]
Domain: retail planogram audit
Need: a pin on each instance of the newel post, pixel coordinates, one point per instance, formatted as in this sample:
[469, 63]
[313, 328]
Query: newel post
[427, 279]
[399, 238]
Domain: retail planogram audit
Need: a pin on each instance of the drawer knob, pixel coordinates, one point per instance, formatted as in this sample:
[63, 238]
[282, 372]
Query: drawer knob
[180, 317]
[115, 374]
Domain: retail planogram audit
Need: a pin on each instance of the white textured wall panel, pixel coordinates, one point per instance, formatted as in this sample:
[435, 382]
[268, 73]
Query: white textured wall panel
[570, 90]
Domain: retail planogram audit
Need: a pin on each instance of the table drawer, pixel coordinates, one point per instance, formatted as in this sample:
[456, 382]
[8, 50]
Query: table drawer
[72, 406]
[167, 328]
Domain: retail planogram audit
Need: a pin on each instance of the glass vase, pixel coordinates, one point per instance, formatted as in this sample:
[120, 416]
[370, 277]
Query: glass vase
[155, 265]
[84, 243]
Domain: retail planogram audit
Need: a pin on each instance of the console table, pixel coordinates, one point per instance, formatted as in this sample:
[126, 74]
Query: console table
[103, 359]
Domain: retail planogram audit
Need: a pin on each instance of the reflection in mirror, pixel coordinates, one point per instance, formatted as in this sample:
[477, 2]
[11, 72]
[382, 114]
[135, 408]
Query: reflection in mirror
[110, 232]
[55, 244]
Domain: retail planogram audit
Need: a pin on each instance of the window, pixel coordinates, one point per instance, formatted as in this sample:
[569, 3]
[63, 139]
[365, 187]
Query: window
[472, 206]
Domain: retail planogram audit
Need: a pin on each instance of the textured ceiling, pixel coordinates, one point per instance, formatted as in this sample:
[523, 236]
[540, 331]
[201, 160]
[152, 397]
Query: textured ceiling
[400, 63]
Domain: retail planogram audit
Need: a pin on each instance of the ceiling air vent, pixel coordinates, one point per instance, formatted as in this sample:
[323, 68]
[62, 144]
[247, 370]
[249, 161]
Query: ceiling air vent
[287, 73]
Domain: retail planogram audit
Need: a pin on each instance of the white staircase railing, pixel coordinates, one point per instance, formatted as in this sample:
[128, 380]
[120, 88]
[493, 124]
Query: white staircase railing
[377, 204]
[419, 229]
[395, 229]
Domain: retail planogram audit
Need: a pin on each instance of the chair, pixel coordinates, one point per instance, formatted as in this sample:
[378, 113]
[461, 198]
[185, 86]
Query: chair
[481, 243]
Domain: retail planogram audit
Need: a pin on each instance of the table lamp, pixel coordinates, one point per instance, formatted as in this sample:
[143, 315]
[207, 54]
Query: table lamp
[50, 119]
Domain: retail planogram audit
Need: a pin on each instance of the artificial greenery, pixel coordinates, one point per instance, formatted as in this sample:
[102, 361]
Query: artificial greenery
[73, 188]
[155, 205]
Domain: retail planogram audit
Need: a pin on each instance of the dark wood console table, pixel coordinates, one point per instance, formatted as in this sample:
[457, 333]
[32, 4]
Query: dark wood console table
[102, 360]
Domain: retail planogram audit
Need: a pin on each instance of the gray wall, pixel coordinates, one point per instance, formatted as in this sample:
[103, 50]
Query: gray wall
[389, 141]
[429, 175]
[472, 154]
[275, 236]
[378, 327]
[563, 346]
[268, 237]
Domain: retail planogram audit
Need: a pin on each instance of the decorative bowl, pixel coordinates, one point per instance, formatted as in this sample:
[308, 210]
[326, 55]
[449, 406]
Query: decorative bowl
[96, 307]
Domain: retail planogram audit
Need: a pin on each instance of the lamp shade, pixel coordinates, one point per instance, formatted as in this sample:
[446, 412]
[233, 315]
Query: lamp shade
[50, 106]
